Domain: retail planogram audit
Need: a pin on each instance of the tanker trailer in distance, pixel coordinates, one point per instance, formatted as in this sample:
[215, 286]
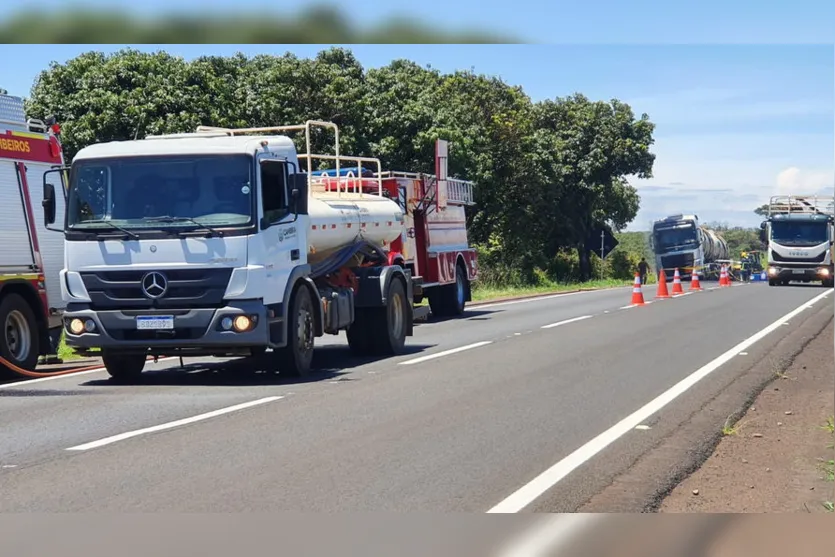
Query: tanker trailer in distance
[679, 241]
[226, 242]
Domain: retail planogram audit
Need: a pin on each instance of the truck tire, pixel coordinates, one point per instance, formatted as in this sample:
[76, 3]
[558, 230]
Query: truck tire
[449, 300]
[296, 358]
[390, 323]
[20, 344]
[123, 367]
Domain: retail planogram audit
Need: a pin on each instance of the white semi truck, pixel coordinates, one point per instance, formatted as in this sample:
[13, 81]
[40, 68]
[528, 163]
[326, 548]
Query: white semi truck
[799, 230]
[231, 243]
[680, 242]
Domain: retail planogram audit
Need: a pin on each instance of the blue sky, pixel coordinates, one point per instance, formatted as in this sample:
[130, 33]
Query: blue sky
[735, 124]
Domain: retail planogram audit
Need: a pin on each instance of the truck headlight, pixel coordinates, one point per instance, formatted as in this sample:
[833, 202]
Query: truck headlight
[772, 271]
[824, 272]
[242, 323]
[76, 326]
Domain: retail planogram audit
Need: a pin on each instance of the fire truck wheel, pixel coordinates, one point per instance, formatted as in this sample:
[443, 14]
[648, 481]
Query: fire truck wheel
[449, 300]
[121, 366]
[20, 345]
[390, 323]
[296, 358]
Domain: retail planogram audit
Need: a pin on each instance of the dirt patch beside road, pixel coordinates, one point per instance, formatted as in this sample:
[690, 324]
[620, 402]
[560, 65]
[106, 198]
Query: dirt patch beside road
[778, 456]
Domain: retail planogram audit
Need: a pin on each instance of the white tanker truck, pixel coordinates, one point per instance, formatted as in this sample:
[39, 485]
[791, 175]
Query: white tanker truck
[229, 243]
[679, 241]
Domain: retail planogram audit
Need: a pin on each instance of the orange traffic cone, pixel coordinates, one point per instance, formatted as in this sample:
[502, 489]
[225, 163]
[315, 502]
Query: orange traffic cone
[637, 294]
[677, 283]
[694, 281]
[662, 285]
[723, 277]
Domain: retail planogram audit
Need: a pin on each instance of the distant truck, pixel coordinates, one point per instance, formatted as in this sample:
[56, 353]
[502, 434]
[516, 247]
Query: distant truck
[31, 256]
[228, 242]
[799, 233]
[680, 242]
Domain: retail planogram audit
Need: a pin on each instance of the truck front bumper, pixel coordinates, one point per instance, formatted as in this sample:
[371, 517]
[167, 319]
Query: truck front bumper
[805, 274]
[201, 330]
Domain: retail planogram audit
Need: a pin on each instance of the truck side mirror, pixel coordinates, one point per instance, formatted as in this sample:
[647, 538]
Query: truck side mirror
[299, 193]
[48, 203]
[762, 235]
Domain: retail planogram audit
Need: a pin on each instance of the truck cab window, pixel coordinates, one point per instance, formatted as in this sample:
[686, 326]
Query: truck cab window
[274, 190]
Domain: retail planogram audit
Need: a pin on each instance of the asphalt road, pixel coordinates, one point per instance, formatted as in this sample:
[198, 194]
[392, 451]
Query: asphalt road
[532, 383]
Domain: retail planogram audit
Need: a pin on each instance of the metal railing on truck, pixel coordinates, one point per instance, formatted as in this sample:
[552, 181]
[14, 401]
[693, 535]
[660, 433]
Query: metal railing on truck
[353, 183]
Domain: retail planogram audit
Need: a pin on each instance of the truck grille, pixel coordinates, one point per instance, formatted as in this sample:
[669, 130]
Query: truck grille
[777, 258]
[678, 260]
[187, 288]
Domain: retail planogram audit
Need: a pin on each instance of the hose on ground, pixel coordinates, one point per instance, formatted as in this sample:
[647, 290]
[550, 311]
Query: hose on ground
[26, 373]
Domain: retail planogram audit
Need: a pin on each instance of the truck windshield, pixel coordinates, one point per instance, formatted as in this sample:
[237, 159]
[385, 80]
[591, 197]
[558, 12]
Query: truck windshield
[670, 239]
[183, 191]
[799, 233]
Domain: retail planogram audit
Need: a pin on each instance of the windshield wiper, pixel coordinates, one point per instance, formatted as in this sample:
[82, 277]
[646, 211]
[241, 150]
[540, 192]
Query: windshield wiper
[114, 226]
[168, 218]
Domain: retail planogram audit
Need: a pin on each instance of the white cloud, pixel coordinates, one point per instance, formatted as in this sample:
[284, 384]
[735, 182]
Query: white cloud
[793, 180]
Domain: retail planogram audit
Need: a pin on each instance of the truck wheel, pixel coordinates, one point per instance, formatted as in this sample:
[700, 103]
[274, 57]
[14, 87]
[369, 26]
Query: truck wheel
[296, 358]
[449, 300]
[20, 345]
[123, 367]
[390, 323]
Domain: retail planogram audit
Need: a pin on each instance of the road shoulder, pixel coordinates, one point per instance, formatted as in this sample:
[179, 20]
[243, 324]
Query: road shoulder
[776, 457]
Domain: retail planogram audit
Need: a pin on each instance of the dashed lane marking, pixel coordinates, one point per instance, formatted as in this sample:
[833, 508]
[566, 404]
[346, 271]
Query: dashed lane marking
[171, 425]
[446, 353]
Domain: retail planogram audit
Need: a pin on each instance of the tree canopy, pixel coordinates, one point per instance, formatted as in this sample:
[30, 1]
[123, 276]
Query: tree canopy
[547, 173]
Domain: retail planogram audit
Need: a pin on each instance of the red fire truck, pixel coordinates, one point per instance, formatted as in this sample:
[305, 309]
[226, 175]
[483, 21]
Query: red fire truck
[31, 255]
[434, 243]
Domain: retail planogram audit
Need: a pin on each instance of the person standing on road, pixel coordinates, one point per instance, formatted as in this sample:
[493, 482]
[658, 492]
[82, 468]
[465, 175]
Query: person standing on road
[643, 270]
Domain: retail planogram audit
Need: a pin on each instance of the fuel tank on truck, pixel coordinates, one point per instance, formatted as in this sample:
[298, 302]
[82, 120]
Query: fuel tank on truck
[339, 220]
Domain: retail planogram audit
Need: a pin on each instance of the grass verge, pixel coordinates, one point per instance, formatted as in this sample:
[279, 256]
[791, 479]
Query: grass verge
[67, 354]
[488, 292]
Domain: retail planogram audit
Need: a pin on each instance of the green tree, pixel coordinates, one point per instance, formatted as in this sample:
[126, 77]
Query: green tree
[594, 147]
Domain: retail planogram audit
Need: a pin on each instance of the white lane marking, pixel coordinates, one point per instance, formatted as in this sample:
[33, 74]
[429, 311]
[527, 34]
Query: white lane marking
[550, 533]
[545, 297]
[26, 382]
[446, 352]
[531, 491]
[684, 294]
[566, 322]
[642, 427]
[743, 353]
[170, 425]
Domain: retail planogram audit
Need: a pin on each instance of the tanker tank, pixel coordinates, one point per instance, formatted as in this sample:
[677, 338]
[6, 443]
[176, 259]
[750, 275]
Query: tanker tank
[341, 219]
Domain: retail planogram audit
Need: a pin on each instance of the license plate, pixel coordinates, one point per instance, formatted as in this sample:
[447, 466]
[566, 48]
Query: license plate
[799, 271]
[155, 322]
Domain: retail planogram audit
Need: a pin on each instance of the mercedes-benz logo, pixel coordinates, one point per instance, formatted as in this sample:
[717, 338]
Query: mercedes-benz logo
[154, 285]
